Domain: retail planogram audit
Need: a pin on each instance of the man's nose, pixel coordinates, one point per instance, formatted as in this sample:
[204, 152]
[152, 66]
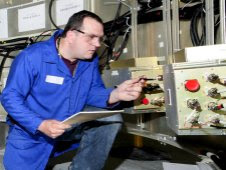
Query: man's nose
[98, 43]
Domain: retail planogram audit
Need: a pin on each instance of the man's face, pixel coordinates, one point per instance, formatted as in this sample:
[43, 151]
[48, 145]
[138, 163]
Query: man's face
[87, 39]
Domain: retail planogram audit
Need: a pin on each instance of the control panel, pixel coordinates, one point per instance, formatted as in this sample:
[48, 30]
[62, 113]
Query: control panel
[152, 97]
[195, 95]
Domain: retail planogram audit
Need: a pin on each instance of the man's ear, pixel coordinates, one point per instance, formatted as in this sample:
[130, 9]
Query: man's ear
[70, 36]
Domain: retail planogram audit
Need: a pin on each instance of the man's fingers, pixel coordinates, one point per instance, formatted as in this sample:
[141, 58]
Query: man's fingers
[132, 81]
[56, 131]
[134, 89]
[53, 128]
[61, 127]
[132, 96]
[55, 135]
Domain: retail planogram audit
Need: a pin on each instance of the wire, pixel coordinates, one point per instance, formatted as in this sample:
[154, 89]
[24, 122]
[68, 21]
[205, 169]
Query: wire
[189, 1]
[50, 14]
[3, 63]
[195, 38]
[43, 34]
[118, 52]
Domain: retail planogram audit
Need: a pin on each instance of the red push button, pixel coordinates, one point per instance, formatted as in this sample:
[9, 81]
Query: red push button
[192, 85]
[145, 101]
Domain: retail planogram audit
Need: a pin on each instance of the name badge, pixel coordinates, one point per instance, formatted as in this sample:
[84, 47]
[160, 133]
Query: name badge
[54, 79]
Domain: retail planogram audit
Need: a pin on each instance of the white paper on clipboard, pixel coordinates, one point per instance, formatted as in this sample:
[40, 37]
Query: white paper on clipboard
[85, 116]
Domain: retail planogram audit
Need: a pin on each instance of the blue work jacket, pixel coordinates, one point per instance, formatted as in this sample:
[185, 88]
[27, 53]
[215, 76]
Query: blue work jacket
[39, 87]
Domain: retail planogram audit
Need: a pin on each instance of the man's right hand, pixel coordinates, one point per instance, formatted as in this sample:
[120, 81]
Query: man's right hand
[53, 128]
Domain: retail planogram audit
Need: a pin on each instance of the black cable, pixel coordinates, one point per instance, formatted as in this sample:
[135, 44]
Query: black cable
[118, 52]
[189, 1]
[195, 38]
[116, 16]
[50, 14]
[119, 23]
[216, 27]
[42, 34]
[111, 36]
[216, 159]
[3, 63]
[14, 40]
[8, 56]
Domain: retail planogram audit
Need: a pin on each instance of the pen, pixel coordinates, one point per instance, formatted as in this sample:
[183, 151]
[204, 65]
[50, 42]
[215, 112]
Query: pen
[147, 79]
[159, 78]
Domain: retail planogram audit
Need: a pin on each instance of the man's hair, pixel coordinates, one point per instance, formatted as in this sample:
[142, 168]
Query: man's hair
[76, 20]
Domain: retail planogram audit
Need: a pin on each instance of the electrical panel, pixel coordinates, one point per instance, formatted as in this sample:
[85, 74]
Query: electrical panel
[152, 97]
[195, 96]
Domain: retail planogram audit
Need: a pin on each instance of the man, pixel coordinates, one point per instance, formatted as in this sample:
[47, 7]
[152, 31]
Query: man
[48, 82]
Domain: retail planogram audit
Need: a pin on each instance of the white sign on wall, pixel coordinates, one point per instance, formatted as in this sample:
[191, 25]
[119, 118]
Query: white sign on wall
[3, 23]
[64, 9]
[31, 18]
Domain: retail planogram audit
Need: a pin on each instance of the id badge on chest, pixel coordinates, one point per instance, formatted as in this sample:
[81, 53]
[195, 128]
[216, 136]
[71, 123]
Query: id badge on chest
[54, 79]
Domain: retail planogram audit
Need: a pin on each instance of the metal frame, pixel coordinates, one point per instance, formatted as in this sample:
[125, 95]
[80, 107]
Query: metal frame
[209, 22]
[134, 10]
[167, 30]
[222, 22]
[133, 7]
[175, 26]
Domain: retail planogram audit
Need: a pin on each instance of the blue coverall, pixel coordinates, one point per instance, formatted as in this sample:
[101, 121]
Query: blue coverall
[40, 87]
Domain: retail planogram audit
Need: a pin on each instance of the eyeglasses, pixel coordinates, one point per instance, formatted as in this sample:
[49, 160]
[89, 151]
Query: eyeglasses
[92, 37]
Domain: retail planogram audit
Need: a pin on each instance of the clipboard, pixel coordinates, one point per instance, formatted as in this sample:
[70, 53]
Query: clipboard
[86, 116]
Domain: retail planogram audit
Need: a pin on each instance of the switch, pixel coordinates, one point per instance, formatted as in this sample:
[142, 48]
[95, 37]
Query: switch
[212, 77]
[213, 92]
[192, 85]
[214, 106]
[145, 101]
[193, 104]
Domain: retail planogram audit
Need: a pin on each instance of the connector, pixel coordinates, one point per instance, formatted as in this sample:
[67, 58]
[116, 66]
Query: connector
[150, 87]
[159, 78]
[213, 92]
[215, 120]
[193, 104]
[212, 77]
[193, 118]
[158, 101]
[214, 106]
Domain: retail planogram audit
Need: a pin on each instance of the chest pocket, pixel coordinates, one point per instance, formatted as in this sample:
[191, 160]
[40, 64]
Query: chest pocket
[51, 80]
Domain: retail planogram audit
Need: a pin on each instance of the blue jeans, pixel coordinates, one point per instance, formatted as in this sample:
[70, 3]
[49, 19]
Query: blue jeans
[96, 139]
